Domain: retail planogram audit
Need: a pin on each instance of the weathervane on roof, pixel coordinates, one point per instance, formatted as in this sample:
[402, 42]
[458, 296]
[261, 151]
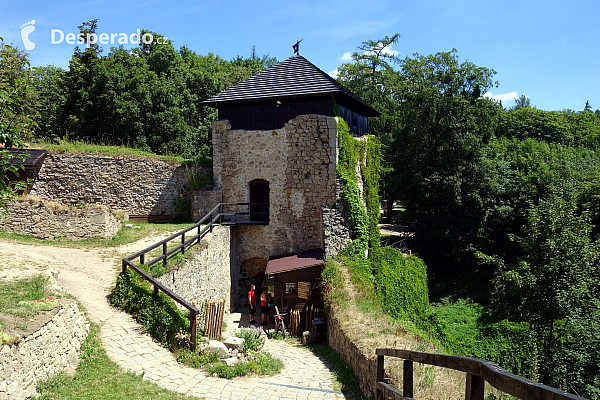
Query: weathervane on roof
[296, 47]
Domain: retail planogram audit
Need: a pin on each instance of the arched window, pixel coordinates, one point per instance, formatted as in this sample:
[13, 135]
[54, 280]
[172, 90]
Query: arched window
[259, 200]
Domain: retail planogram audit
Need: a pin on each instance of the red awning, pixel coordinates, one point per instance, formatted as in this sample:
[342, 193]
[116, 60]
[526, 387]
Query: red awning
[295, 261]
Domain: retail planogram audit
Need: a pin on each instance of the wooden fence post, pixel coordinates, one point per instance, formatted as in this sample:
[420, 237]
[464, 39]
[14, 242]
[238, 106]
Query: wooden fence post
[165, 253]
[474, 388]
[407, 378]
[193, 321]
[380, 375]
[183, 243]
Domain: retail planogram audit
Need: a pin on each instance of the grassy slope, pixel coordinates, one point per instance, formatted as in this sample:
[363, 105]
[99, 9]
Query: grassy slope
[98, 377]
[123, 236]
[366, 324]
[114, 151]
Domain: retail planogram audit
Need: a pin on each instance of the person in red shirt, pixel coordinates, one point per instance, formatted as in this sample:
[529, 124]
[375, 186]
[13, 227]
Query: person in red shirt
[252, 304]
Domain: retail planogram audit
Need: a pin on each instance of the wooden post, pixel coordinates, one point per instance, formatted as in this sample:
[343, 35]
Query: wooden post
[407, 378]
[474, 388]
[155, 290]
[193, 330]
[199, 229]
[165, 253]
[123, 266]
[380, 375]
[143, 258]
[183, 243]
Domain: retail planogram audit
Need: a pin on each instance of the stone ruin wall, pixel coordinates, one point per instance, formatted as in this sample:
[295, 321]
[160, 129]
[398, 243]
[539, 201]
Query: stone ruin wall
[49, 220]
[135, 185]
[43, 353]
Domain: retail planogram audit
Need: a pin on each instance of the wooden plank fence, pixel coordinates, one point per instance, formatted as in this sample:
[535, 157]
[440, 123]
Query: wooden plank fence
[213, 322]
[294, 326]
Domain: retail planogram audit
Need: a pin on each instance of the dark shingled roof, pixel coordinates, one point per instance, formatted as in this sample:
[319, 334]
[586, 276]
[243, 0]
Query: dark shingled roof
[33, 157]
[294, 77]
[296, 261]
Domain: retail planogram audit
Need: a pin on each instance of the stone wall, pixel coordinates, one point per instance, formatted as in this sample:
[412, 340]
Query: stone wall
[364, 367]
[337, 232]
[299, 163]
[206, 275]
[202, 201]
[138, 186]
[51, 348]
[50, 220]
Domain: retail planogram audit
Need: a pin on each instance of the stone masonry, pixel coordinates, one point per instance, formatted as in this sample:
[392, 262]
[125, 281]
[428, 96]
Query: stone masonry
[138, 186]
[50, 220]
[51, 348]
[299, 162]
[206, 275]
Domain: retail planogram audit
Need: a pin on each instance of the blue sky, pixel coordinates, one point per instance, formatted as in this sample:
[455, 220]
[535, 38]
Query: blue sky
[548, 50]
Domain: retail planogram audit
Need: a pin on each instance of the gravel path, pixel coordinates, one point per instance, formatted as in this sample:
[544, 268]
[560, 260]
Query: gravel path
[90, 274]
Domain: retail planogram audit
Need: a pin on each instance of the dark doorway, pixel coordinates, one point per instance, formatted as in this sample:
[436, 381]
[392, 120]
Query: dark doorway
[259, 200]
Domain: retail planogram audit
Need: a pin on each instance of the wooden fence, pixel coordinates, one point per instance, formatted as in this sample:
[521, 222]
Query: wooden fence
[213, 322]
[294, 326]
[216, 216]
[478, 372]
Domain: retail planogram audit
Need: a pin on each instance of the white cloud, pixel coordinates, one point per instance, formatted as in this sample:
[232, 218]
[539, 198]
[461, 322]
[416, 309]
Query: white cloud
[347, 56]
[386, 50]
[503, 97]
[333, 73]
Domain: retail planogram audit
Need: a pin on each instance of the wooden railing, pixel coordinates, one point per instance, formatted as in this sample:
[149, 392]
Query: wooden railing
[215, 217]
[478, 372]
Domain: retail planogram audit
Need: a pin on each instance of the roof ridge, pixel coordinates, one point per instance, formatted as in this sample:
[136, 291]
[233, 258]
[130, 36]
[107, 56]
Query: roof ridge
[293, 77]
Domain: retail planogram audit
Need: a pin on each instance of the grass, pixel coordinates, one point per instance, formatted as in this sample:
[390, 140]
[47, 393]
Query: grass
[345, 379]
[78, 147]
[123, 236]
[98, 377]
[262, 364]
[25, 297]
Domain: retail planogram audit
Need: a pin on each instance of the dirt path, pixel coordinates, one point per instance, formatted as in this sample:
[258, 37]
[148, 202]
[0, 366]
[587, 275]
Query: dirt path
[87, 274]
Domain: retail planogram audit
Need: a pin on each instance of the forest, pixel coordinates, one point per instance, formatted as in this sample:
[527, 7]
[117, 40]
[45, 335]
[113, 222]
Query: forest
[505, 203]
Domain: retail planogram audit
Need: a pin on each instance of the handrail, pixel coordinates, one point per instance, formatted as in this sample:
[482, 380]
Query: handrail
[478, 372]
[213, 218]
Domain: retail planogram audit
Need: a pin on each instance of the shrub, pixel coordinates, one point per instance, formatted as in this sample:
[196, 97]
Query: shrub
[401, 284]
[253, 341]
[157, 312]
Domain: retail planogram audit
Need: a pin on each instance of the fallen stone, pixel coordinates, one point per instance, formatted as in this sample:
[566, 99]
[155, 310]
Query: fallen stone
[310, 337]
[214, 346]
[235, 343]
[128, 225]
[231, 361]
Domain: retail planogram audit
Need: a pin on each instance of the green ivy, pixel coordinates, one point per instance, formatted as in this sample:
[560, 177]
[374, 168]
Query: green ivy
[397, 283]
[401, 284]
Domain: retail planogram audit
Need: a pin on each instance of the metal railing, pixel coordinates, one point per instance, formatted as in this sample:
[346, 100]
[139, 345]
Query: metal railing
[215, 217]
[478, 372]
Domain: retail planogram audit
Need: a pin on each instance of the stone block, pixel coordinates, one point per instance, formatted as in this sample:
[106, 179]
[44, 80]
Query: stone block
[235, 343]
[214, 346]
[310, 337]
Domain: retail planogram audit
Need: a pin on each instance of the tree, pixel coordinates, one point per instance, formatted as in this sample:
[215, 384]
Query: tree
[522, 102]
[15, 118]
[444, 124]
[554, 287]
[588, 106]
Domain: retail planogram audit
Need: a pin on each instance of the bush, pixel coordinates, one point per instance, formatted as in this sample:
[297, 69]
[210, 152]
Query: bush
[253, 341]
[157, 313]
[401, 284]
